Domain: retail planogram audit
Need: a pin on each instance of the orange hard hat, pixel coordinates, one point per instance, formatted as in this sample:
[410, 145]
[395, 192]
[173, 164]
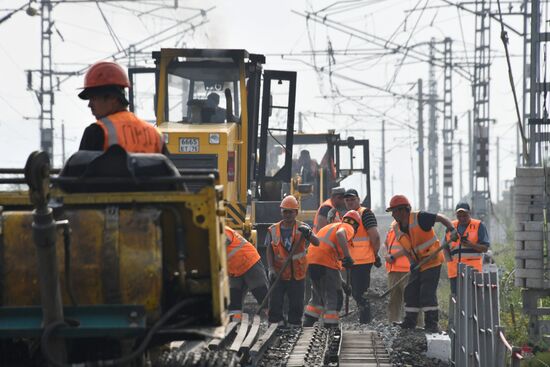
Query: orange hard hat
[353, 214]
[398, 200]
[290, 202]
[104, 73]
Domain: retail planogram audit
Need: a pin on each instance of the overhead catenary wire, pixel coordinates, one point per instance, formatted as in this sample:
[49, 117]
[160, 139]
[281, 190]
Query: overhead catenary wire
[504, 38]
[374, 39]
[112, 32]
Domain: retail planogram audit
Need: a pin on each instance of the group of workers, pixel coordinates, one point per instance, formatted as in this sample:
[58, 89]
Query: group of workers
[344, 235]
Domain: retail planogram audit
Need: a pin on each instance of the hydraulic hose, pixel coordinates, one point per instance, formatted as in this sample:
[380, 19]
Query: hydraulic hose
[50, 329]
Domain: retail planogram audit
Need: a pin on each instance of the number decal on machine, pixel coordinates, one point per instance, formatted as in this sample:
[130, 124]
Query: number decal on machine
[189, 145]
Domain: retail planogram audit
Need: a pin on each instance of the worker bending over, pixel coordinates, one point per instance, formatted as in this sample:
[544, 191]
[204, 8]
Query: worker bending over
[288, 237]
[336, 200]
[246, 271]
[364, 251]
[414, 232]
[473, 241]
[396, 269]
[104, 85]
[324, 269]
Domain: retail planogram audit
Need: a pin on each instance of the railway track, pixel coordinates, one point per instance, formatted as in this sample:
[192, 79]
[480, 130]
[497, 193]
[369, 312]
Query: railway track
[318, 346]
[276, 346]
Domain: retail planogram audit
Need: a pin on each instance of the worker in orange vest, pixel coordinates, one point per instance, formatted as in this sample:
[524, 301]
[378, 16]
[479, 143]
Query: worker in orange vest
[364, 251]
[397, 268]
[414, 232]
[473, 242]
[336, 200]
[280, 240]
[104, 85]
[325, 262]
[246, 272]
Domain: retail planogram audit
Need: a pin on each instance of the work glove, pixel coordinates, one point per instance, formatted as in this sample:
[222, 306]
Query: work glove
[306, 230]
[347, 262]
[377, 261]
[413, 267]
[454, 235]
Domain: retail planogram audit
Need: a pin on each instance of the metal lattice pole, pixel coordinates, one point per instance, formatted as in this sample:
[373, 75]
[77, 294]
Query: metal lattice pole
[448, 197]
[421, 181]
[481, 92]
[538, 86]
[433, 140]
[46, 94]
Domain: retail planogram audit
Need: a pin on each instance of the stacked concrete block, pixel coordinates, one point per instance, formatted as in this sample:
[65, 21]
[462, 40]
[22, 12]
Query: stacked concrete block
[530, 203]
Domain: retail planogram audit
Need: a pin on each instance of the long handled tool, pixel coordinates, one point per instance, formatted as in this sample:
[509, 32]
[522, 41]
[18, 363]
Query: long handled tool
[348, 285]
[370, 295]
[285, 265]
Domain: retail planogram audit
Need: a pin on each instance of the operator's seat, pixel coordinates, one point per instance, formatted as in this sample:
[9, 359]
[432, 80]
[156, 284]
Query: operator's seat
[116, 170]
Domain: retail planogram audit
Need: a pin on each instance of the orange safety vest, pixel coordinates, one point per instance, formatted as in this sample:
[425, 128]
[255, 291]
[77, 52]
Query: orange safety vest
[401, 264]
[361, 250]
[329, 253]
[130, 132]
[467, 255]
[419, 242]
[316, 219]
[241, 254]
[298, 266]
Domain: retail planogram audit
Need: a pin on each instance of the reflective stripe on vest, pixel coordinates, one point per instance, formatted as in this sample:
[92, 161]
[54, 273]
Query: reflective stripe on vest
[463, 254]
[241, 255]
[420, 250]
[298, 266]
[133, 134]
[111, 130]
[361, 239]
[401, 263]
[326, 239]
[426, 244]
[361, 250]
[234, 251]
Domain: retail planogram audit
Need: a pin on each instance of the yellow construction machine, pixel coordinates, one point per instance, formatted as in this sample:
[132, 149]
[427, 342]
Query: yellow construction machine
[207, 105]
[118, 253]
[323, 161]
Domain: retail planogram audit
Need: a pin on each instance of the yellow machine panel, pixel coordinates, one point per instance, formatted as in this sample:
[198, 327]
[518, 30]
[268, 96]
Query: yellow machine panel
[124, 249]
[111, 261]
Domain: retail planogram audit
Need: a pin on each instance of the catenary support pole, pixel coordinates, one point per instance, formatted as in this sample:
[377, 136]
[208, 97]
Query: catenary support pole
[421, 193]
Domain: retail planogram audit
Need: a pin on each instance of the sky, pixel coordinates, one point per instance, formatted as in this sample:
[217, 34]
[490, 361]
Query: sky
[332, 91]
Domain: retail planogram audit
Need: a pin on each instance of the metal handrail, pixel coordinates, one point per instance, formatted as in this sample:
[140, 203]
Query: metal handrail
[514, 351]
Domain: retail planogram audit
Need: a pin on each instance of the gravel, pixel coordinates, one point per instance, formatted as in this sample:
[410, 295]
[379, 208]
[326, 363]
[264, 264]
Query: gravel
[406, 347]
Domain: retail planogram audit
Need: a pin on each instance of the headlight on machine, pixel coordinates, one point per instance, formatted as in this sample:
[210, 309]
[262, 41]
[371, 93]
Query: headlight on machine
[214, 138]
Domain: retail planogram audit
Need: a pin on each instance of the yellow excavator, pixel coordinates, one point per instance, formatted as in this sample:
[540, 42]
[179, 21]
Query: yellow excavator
[207, 105]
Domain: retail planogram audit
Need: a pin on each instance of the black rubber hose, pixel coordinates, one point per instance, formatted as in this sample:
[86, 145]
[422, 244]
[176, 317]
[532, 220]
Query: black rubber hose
[49, 330]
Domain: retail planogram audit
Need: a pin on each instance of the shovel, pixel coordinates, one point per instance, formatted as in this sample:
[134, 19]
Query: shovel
[372, 295]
